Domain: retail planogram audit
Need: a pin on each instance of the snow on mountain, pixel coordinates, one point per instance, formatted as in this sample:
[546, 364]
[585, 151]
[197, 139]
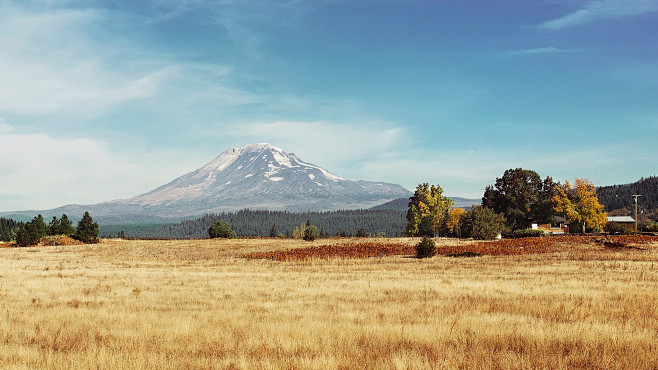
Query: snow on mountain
[257, 176]
[261, 176]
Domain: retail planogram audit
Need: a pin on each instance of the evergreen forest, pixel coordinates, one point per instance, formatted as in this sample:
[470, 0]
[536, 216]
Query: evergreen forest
[9, 229]
[617, 199]
[248, 223]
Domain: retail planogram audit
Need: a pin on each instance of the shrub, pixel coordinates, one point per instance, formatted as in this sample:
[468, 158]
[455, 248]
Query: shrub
[617, 228]
[221, 229]
[311, 233]
[362, 233]
[426, 248]
[482, 223]
[528, 233]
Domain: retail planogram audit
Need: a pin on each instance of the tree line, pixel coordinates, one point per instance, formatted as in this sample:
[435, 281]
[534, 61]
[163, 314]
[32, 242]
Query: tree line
[263, 223]
[618, 201]
[517, 200]
[32, 232]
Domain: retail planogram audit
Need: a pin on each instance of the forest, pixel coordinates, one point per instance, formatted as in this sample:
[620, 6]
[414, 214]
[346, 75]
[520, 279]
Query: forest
[9, 229]
[247, 223]
[617, 199]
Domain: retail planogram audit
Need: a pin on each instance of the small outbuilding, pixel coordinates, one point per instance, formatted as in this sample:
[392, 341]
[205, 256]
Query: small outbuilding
[621, 220]
[560, 225]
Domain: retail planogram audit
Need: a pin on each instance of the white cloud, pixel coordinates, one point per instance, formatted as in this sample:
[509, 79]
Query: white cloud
[41, 171]
[597, 10]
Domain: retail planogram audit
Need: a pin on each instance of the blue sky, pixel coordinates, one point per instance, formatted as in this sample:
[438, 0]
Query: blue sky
[102, 100]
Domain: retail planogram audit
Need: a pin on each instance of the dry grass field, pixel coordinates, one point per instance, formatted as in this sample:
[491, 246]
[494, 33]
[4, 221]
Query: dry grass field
[201, 304]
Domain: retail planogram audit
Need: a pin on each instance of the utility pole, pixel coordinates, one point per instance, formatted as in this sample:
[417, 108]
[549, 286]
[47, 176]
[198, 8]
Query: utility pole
[635, 196]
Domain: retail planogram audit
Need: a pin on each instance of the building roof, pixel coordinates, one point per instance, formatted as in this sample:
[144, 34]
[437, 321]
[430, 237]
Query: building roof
[621, 219]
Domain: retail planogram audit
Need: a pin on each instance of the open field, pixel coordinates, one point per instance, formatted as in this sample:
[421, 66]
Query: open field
[201, 304]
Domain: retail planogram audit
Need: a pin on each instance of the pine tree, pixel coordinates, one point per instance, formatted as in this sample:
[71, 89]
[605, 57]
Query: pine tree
[41, 227]
[66, 226]
[87, 230]
[54, 226]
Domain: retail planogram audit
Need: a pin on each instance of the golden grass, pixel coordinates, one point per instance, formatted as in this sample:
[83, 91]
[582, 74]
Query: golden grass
[199, 304]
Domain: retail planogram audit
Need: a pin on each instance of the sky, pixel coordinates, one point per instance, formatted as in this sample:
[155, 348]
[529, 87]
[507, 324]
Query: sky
[103, 100]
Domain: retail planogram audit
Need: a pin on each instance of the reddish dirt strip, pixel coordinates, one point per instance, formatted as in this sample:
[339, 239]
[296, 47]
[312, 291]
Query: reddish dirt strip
[495, 248]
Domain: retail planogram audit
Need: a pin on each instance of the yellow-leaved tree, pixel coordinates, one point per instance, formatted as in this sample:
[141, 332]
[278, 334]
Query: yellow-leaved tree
[580, 205]
[454, 222]
[428, 210]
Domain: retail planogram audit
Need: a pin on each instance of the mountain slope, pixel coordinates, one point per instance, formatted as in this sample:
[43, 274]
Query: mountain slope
[258, 176]
[619, 196]
[261, 176]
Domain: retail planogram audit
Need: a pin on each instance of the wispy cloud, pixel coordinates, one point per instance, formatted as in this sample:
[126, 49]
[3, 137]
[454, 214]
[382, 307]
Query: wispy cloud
[597, 10]
[48, 65]
[336, 146]
[538, 51]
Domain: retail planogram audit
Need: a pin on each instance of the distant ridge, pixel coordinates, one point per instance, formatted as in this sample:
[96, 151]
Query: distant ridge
[402, 204]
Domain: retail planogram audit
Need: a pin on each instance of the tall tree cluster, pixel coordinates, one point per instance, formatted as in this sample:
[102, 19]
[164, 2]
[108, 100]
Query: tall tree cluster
[522, 197]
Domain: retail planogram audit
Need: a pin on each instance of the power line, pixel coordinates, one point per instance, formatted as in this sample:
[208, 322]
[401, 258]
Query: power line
[635, 196]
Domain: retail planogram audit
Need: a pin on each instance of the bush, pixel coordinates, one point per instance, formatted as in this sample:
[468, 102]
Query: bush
[528, 233]
[311, 233]
[87, 230]
[221, 229]
[619, 229]
[482, 223]
[426, 248]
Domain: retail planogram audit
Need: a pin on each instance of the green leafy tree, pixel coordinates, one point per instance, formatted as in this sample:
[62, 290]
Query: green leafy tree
[311, 233]
[65, 226]
[482, 223]
[273, 231]
[522, 197]
[428, 210]
[221, 229]
[87, 230]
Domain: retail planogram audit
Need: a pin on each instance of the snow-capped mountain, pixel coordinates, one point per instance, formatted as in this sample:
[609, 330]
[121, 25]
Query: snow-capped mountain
[260, 176]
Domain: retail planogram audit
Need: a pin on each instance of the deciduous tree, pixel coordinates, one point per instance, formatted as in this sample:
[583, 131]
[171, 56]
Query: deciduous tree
[482, 223]
[220, 229]
[428, 210]
[580, 205]
[522, 197]
[454, 222]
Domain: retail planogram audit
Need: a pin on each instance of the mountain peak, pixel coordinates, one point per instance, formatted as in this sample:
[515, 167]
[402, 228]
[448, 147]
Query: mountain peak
[263, 176]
